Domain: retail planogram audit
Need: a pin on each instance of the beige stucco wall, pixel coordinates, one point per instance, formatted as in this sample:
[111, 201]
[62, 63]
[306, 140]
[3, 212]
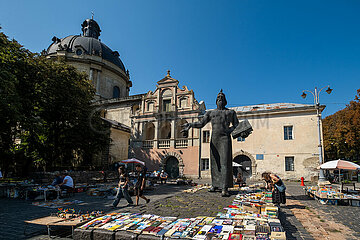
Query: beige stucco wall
[120, 114]
[108, 79]
[119, 146]
[268, 139]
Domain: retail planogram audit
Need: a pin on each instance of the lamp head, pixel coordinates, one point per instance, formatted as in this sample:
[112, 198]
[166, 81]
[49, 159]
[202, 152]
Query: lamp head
[303, 95]
[329, 90]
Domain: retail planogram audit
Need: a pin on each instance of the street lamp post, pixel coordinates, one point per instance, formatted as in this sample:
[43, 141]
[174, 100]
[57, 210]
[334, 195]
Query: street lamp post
[316, 94]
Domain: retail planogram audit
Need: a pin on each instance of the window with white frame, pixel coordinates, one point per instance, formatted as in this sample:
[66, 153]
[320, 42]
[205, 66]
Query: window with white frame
[206, 136]
[205, 164]
[288, 133]
[289, 163]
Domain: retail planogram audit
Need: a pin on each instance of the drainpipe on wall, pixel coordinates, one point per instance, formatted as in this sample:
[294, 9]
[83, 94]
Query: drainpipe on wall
[199, 153]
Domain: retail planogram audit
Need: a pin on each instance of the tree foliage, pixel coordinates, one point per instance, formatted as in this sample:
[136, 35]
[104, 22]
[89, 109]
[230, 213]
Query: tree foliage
[342, 132]
[46, 115]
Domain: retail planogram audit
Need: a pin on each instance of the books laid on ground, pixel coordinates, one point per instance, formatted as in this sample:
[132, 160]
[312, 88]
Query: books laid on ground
[250, 216]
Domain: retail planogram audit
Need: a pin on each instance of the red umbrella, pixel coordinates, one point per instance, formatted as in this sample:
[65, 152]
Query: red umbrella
[133, 160]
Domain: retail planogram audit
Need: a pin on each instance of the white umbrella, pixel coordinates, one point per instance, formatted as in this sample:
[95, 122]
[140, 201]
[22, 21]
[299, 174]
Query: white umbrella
[235, 164]
[339, 164]
[133, 160]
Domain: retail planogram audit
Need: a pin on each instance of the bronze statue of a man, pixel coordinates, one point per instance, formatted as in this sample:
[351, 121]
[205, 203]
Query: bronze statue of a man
[220, 144]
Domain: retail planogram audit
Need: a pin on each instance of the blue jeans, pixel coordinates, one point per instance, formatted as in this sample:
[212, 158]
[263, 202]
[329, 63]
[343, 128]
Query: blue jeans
[122, 192]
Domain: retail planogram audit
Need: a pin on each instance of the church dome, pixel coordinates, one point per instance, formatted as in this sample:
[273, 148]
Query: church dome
[88, 43]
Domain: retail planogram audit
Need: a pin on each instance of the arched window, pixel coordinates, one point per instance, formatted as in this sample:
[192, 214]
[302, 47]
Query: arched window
[116, 92]
[166, 100]
[149, 131]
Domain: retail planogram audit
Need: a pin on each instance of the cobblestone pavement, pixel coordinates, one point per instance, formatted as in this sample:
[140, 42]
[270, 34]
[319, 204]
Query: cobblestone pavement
[183, 205]
[13, 212]
[346, 215]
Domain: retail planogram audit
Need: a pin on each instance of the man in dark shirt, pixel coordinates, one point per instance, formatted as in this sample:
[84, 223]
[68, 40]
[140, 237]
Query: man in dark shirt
[140, 185]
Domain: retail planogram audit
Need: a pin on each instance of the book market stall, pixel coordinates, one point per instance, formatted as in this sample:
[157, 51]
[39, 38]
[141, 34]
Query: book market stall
[251, 216]
[328, 194]
[332, 196]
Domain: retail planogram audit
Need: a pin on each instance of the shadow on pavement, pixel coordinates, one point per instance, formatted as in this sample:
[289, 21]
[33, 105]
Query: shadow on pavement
[290, 229]
[296, 206]
[300, 197]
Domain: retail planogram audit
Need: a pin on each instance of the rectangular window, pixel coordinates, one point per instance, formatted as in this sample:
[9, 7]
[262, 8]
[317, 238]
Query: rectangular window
[167, 105]
[240, 139]
[205, 164]
[150, 107]
[288, 132]
[259, 156]
[289, 163]
[183, 102]
[206, 136]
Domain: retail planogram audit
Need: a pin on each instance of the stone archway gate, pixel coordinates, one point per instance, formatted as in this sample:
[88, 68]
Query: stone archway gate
[253, 162]
[178, 157]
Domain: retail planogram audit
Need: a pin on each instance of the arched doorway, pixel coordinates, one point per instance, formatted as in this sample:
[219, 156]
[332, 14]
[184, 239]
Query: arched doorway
[243, 165]
[172, 167]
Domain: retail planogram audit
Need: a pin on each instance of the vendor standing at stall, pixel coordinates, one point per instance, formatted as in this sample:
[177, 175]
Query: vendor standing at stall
[123, 187]
[140, 185]
[277, 186]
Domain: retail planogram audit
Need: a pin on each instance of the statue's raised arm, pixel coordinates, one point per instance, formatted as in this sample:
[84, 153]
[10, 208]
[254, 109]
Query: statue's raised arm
[200, 124]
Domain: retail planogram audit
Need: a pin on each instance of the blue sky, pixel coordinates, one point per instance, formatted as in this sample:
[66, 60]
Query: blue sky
[257, 51]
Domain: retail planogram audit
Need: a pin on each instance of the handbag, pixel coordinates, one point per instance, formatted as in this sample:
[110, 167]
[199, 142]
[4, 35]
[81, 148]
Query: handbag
[281, 188]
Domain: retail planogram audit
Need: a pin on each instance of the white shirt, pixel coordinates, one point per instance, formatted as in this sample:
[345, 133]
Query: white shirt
[69, 182]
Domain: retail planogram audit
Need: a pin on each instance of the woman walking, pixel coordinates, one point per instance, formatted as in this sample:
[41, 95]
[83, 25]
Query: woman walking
[123, 187]
[277, 186]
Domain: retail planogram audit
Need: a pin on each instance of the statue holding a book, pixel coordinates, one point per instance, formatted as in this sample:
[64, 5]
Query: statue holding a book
[224, 123]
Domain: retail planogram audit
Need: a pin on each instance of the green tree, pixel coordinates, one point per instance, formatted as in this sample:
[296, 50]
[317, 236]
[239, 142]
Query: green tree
[46, 112]
[342, 132]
